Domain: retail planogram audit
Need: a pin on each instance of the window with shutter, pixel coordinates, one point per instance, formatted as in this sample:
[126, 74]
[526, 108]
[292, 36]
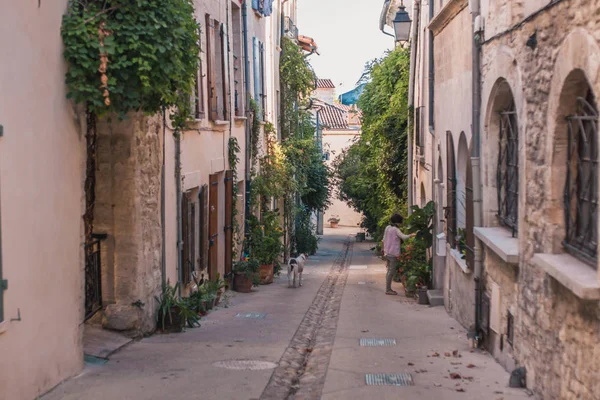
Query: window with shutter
[238, 68]
[263, 93]
[212, 69]
[224, 75]
[451, 191]
[216, 52]
[198, 100]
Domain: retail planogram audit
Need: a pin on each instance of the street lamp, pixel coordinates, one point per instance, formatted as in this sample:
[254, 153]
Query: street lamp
[402, 24]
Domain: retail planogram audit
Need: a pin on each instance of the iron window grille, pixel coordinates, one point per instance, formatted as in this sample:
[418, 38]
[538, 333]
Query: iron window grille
[581, 187]
[508, 171]
[510, 328]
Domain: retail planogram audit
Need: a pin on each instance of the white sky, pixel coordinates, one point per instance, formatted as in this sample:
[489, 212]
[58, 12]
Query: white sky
[347, 34]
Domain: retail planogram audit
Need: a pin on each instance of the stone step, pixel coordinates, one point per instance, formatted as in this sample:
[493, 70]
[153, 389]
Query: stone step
[436, 298]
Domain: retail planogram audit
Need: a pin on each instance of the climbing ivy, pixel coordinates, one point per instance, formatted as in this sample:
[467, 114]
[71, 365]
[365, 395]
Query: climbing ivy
[131, 55]
[234, 160]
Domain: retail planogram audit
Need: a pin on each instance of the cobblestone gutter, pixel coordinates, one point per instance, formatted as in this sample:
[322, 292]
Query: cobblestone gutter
[303, 366]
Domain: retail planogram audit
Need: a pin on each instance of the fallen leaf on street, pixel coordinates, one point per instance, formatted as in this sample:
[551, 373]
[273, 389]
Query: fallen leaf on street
[470, 366]
[309, 349]
[421, 371]
[447, 354]
[436, 354]
[460, 390]
[455, 363]
[411, 364]
[365, 331]
[469, 378]
[455, 353]
[454, 375]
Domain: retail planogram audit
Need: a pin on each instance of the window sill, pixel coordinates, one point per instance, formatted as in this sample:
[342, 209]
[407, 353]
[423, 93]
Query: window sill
[501, 242]
[459, 260]
[578, 277]
[240, 118]
[3, 327]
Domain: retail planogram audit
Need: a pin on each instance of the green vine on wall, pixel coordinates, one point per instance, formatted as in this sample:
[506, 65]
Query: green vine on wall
[234, 160]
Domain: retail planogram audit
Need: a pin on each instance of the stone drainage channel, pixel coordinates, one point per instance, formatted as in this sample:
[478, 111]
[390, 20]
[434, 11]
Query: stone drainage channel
[303, 366]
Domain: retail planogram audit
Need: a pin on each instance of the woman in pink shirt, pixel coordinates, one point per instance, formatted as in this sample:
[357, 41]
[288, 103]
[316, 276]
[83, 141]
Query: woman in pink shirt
[392, 240]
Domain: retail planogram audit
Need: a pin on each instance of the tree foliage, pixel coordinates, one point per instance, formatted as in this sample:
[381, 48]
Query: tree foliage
[371, 175]
[131, 55]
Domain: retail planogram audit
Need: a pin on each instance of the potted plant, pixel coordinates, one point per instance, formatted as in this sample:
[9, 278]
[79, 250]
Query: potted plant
[264, 243]
[245, 275]
[417, 280]
[173, 313]
[334, 221]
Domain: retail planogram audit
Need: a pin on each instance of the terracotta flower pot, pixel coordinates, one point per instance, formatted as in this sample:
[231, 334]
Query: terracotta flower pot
[333, 224]
[173, 323]
[266, 274]
[242, 284]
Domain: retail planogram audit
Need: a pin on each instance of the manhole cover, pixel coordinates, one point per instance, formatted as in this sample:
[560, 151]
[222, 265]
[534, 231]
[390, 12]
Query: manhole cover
[403, 379]
[251, 315]
[358, 267]
[366, 282]
[245, 365]
[377, 342]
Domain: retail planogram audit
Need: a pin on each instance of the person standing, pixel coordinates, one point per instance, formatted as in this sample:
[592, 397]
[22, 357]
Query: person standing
[392, 240]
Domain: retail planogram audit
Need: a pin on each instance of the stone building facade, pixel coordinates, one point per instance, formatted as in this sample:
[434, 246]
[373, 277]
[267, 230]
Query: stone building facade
[538, 82]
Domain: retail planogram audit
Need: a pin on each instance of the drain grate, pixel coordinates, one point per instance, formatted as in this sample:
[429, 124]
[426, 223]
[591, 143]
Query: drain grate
[366, 282]
[245, 365]
[357, 267]
[377, 342]
[403, 379]
[251, 315]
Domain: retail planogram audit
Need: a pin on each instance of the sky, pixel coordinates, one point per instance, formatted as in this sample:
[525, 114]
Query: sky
[347, 34]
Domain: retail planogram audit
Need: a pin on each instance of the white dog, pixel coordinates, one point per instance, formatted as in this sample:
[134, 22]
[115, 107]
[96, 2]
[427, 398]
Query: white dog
[296, 267]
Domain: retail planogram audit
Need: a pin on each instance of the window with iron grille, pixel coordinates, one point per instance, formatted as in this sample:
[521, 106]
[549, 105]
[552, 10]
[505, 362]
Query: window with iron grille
[510, 328]
[581, 188]
[508, 170]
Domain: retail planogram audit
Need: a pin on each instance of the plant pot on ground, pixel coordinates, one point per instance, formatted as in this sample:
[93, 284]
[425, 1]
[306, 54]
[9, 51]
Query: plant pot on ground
[246, 273]
[266, 274]
[334, 221]
[422, 295]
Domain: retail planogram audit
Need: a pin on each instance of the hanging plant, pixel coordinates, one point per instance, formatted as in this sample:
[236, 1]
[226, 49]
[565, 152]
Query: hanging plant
[131, 56]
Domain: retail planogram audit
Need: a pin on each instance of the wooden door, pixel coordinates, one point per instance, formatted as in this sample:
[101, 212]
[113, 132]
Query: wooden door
[228, 222]
[213, 226]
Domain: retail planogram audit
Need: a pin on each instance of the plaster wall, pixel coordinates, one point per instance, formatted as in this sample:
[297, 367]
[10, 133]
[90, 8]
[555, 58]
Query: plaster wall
[41, 195]
[335, 142]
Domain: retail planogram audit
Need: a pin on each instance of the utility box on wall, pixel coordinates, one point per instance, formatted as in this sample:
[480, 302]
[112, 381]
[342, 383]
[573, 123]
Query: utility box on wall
[441, 245]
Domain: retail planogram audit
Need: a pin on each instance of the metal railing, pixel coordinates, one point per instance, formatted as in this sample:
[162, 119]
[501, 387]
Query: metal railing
[93, 276]
[508, 171]
[289, 28]
[581, 187]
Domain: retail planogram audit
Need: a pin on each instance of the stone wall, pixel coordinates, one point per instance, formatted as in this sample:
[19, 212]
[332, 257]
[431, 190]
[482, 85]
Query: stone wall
[128, 210]
[557, 336]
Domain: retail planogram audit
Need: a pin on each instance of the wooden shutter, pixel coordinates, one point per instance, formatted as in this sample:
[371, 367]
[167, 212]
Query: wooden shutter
[213, 223]
[263, 96]
[256, 69]
[451, 191]
[225, 71]
[203, 227]
[185, 264]
[212, 69]
[470, 236]
[228, 221]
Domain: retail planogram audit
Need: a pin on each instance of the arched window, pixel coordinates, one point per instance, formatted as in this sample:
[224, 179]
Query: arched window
[450, 213]
[462, 162]
[581, 187]
[507, 174]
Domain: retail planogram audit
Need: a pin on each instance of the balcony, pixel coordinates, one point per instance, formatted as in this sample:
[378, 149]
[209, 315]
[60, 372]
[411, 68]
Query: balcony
[289, 28]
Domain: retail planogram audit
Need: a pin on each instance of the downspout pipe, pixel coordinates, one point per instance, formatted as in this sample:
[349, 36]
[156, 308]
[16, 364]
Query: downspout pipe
[248, 125]
[177, 136]
[475, 161]
[163, 269]
[411, 98]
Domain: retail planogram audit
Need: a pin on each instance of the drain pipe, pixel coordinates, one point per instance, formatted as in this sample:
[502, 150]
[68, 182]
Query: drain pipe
[411, 99]
[383, 18]
[163, 269]
[177, 136]
[475, 161]
[248, 126]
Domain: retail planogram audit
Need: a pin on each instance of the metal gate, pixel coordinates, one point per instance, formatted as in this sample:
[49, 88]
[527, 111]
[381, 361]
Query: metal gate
[93, 276]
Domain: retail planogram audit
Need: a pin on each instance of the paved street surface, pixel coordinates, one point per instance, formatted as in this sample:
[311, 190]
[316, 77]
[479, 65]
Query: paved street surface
[305, 344]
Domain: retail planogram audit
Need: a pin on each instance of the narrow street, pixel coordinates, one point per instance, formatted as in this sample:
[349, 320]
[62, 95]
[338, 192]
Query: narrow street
[304, 343]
